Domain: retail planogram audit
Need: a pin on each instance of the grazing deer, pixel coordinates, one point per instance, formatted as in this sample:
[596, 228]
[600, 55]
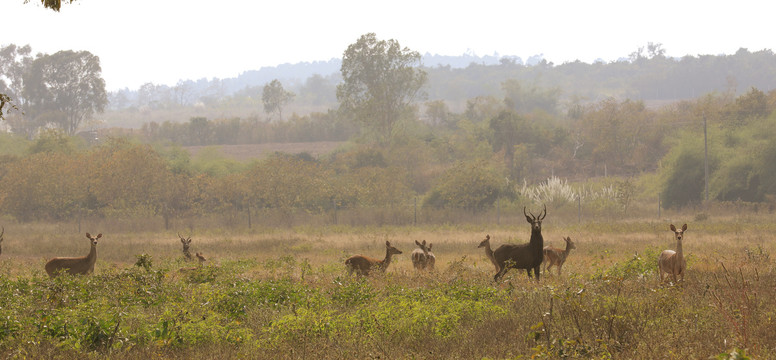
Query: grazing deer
[422, 258]
[201, 258]
[670, 261]
[524, 256]
[363, 264]
[1, 240]
[556, 257]
[488, 251]
[186, 244]
[75, 265]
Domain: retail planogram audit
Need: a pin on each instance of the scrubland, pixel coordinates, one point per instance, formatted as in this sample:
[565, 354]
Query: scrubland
[284, 293]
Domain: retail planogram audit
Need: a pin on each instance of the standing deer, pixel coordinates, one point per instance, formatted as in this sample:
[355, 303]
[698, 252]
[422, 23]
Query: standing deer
[556, 257]
[186, 244]
[431, 259]
[75, 265]
[422, 258]
[1, 240]
[364, 264]
[524, 256]
[488, 251]
[670, 261]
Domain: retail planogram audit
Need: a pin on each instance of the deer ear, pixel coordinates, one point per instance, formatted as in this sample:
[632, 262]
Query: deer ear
[88, 236]
[429, 246]
[417, 243]
[388, 243]
[684, 227]
[99, 235]
[673, 228]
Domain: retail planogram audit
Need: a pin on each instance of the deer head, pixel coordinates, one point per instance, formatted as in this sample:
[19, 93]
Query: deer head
[679, 233]
[536, 222]
[185, 241]
[392, 250]
[569, 244]
[94, 238]
[485, 242]
[422, 246]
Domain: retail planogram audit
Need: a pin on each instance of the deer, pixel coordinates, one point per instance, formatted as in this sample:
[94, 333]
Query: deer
[83, 265]
[362, 265]
[557, 257]
[422, 258]
[523, 256]
[488, 251]
[201, 257]
[186, 244]
[431, 258]
[670, 261]
[1, 240]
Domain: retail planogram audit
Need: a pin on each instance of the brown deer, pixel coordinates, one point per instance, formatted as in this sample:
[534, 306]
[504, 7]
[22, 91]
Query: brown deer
[523, 256]
[556, 257]
[364, 264]
[75, 265]
[670, 261]
[186, 244]
[488, 251]
[201, 258]
[431, 260]
[422, 258]
[1, 240]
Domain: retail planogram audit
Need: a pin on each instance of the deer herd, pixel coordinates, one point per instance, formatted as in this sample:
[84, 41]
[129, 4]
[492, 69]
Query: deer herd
[528, 256]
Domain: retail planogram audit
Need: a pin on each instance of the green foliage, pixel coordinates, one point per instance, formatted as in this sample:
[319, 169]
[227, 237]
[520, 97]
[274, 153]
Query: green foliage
[13, 145]
[55, 141]
[473, 186]
[684, 181]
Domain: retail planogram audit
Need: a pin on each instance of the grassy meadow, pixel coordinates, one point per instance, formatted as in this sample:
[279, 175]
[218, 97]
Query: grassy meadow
[284, 293]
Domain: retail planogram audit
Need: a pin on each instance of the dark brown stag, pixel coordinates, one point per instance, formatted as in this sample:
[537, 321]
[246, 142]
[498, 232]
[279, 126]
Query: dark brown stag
[524, 256]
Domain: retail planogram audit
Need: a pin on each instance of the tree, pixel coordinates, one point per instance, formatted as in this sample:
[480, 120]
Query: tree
[275, 97]
[66, 87]
[379, 84]
[13, 60]
[52, 4]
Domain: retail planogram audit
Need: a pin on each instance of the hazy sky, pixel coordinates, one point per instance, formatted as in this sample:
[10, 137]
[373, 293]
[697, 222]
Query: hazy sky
[163, 41]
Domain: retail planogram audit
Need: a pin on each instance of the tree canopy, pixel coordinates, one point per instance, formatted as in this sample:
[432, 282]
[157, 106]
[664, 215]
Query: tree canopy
[380, 81]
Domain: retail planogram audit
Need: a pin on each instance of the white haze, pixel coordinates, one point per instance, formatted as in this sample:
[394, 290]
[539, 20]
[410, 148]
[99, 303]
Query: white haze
[163, 42]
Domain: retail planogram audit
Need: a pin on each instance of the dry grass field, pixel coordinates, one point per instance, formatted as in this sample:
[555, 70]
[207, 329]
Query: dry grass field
[285, 293]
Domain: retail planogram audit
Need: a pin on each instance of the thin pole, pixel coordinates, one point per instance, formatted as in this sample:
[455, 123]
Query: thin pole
[579, 208]
[416, 211]
[498, 211]
[705, 158]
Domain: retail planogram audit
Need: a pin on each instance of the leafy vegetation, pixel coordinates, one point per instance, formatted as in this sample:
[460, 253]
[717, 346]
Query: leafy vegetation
[266, 302]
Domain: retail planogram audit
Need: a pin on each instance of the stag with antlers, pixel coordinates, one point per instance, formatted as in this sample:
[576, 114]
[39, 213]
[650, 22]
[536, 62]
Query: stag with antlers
[523, 256]
[186, 244]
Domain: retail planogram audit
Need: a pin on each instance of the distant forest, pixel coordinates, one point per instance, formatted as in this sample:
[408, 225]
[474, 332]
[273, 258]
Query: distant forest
[646, 75]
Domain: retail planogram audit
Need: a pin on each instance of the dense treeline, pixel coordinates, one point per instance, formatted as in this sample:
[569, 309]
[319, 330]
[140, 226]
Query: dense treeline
[461, 165]
[396, 150]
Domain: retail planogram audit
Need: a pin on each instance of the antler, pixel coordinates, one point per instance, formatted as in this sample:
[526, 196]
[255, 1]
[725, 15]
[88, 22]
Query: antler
[3, 232]
[541, 217]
